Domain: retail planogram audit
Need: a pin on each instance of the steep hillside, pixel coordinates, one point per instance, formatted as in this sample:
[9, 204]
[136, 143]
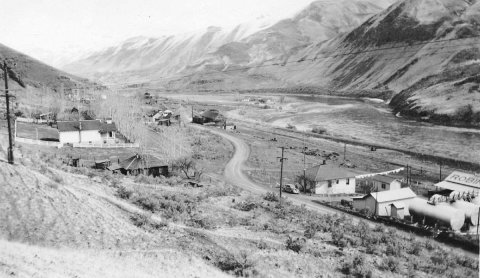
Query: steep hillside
[31, 72]
[147, 59]
[421, 49]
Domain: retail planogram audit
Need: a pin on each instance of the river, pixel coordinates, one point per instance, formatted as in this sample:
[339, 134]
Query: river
[373, 121]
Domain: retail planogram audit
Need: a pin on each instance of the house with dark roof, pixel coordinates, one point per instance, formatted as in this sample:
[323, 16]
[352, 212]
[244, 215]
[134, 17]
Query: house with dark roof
[328, 179]
[141, 164]
[92, 131]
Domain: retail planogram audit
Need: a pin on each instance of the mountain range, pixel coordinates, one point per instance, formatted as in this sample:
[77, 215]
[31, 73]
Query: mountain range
[147, 59]
[422, 56]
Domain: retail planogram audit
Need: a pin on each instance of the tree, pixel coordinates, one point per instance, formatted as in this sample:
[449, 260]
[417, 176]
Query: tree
[366, 187]
[184, 164]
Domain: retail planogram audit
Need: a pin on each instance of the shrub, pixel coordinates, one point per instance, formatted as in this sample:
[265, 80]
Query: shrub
[295, 245]
[356, 267]
[57, 178]
[262, 245]
[390, 263]
[392, 249]
[271, 197]
[124, 193]
[245, 206]
[415, 248]
[146, 222]
[237, 264]
[319, 130]
[204, 222]
[140, 220]
[311, 230]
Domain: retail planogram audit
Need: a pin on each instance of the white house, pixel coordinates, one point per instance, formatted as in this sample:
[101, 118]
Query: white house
[383, 183]
[386, 203]
[93, 131]
[326, 179]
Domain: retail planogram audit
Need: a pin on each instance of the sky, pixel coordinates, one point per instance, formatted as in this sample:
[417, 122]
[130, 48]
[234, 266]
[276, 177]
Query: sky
[55, 30]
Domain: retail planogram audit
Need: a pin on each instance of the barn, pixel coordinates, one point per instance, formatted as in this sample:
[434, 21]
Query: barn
[327, 179]
[386, 203]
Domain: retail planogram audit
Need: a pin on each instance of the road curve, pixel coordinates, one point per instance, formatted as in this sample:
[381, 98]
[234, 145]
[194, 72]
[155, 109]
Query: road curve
[234, 173]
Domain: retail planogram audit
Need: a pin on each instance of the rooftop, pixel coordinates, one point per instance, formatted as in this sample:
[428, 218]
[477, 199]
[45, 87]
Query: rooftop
[392, 195]
[141, 162]
[75, 125]
[328, 172]
[382, 178]
[66, 126]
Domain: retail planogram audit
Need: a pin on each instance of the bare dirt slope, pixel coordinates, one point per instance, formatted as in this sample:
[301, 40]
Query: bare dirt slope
[56, 224]
[22, 260]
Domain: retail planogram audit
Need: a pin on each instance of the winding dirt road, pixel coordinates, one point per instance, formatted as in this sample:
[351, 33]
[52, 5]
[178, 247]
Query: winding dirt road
[234, 173]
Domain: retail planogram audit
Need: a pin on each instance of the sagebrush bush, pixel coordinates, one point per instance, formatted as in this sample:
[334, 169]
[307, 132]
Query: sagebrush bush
[319, 130]
[245, 206]
[295, 245]
[238, 264]
[124, 192]
[271, 197]
[390, 263]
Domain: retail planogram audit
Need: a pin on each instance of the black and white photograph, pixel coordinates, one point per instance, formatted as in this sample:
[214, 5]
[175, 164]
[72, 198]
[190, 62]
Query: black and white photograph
[239, 138]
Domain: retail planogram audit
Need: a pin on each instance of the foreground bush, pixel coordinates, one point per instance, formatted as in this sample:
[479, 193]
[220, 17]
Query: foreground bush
[236, 264]
[271, 197]
[295, 245]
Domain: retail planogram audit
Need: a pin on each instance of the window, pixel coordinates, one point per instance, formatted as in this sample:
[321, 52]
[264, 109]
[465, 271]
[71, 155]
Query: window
[329, 183]
[384, 185]
[348, 181]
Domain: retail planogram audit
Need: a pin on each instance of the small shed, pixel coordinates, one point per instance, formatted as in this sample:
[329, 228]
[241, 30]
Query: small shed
[102, 164]
[398, 210]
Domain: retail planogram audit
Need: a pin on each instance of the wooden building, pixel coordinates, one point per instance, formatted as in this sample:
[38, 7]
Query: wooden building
[138, 164]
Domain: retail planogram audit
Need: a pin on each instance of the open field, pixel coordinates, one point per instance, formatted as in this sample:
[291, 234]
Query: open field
[363, 120]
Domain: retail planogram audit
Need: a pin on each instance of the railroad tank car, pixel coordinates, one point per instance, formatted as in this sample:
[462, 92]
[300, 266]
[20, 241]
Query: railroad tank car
[442, 214]
[470, 210]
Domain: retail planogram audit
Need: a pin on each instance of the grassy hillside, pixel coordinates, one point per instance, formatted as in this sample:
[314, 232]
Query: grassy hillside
[58, 220]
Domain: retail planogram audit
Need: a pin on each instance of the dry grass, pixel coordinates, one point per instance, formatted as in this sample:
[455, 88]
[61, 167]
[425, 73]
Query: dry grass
[21, 260]
[112, 223]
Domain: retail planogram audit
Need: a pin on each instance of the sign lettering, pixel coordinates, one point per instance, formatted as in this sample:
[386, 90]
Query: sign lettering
[465, 179]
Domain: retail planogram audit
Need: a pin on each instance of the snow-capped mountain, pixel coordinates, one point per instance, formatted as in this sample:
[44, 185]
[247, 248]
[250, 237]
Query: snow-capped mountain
[427, 51]
[216, 48]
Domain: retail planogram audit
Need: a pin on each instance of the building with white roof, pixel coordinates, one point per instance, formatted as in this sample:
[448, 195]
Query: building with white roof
[386, 203]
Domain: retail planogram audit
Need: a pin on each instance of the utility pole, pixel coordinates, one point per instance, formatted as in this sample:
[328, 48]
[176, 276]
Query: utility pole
[304, 167]
[440, 179]
[9, 125]
[281, 171]
[344, 152]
